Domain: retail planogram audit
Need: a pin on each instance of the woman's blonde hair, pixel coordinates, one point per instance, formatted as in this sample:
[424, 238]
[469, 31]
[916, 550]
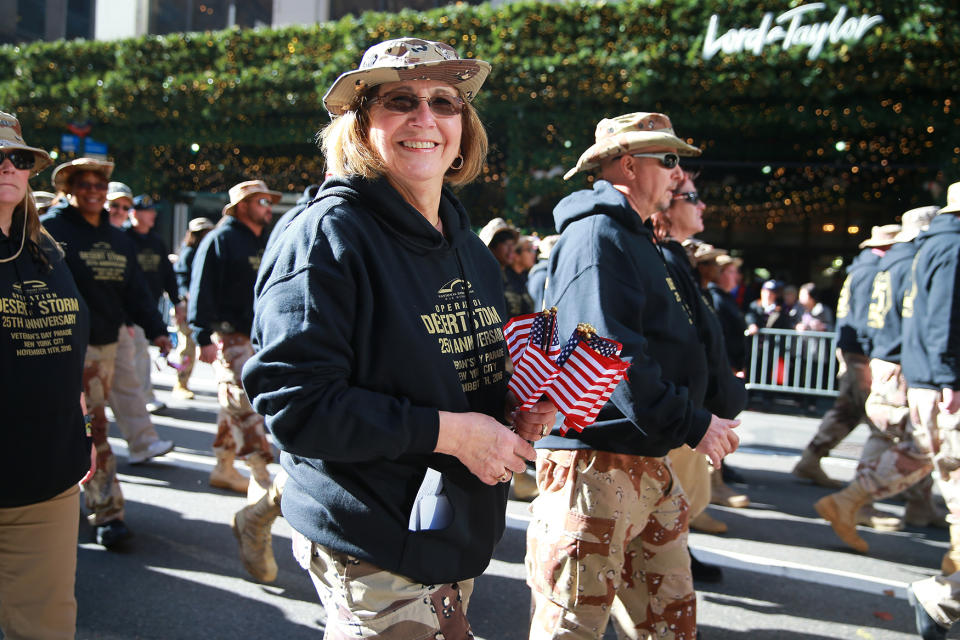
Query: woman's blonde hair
[346, 145]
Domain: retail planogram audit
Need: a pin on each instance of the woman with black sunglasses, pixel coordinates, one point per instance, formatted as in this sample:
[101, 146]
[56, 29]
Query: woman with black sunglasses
[46, 450]
[382, 369]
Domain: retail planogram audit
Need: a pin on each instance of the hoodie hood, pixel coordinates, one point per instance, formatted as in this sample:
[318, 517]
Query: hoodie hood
[896, 253]
[378, 198]
[603, 199]
[942, 223]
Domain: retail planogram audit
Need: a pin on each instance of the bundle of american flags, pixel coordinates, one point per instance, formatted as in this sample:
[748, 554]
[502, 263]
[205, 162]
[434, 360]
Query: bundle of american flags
[579, 377]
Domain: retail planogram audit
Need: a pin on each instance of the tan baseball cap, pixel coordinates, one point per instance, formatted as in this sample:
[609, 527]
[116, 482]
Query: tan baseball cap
[407, 59]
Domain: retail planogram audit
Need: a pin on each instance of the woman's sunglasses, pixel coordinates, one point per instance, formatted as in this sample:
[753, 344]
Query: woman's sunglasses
[690, 196]
[405, 102]
[668, 160]
[20, 159]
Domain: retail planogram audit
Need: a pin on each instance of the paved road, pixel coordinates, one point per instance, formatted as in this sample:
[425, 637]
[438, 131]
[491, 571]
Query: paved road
[786, 576]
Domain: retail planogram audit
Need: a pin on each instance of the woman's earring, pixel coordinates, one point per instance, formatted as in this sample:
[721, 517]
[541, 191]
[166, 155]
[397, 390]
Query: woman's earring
[457, 163]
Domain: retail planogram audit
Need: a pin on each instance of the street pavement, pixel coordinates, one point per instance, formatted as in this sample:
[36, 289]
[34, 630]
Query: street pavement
[786, 575]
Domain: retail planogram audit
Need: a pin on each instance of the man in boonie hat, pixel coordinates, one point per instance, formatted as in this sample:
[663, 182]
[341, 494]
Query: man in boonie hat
[44, 200]
[886, 469]
[119, 203]
[405, 59]
[104, 265]
[220, 314]
[854, 345]
[931, 368]
[606, 271]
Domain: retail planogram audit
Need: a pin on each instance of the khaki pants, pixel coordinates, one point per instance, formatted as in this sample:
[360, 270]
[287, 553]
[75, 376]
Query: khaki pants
[364, 601]
[609, 537]
[692, 471]
[126, 394]
[186, 353]
[239, 427]
[38, 566]
[143, 363]
[101, 494]
[940, 433]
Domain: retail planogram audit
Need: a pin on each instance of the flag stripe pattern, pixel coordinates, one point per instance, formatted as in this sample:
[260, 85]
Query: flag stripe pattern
[579, 378]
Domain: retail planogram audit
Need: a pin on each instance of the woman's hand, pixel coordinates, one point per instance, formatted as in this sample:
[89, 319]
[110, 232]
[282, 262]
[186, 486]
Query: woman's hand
[487, 448]
[537, 422]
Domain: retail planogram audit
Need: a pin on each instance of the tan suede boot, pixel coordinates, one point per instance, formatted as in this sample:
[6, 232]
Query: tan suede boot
[705, 523]
[723, 494]
[809, 468]
[840, 510]
[257, 463]
[251, 526]
[870, 516]
[951, 559]
[225, 476]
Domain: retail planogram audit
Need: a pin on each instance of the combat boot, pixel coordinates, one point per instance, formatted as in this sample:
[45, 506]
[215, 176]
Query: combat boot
[840, 510]
[951, 559]
[724, 495]
[922, 509]
[705, 523]
[225, 476]
[257, 462]
[251, 526]
[181, 392]
[809, 468]
[870, 516]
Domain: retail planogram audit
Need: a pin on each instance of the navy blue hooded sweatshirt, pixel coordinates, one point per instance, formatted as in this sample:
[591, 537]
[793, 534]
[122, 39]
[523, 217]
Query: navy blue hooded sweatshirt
[368, 323]
[43, 338]
[104, 265]
[931, 309]
[884, 326]
[183, 269]
[153, 261]
[606, 270]
[853, 302]
[221, 285]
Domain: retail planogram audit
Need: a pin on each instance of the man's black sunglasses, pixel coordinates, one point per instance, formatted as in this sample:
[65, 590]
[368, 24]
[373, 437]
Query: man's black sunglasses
[20, 158]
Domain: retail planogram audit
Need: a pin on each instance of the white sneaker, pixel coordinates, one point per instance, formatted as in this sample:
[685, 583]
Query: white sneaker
[155, 406]
[154, 449]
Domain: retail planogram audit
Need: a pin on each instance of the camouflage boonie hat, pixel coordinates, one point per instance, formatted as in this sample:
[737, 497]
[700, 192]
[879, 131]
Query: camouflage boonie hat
[914, 221]
[631, 133]
[11, 138]
[881, 236]
[406, 59]
[953, 199]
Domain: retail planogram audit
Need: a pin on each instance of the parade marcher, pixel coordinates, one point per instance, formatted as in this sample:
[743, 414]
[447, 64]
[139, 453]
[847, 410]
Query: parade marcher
[726, 395]
[503, 239]
[46, 450]
[104, 265]
[119, 203]
[152, 256]
[853, 345]
[221, 315]
[728, 312]
[44, 200]
[381, 360]
[186, 352]
[609, 528]
[301, 205]
[537, 278]
[931, 367]
[890, 461]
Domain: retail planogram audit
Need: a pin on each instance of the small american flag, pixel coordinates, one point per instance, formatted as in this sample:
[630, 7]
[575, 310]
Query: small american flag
[533, 343]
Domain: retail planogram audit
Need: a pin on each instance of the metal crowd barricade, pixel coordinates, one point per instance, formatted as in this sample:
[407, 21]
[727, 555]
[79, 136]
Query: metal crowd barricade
[793, 362]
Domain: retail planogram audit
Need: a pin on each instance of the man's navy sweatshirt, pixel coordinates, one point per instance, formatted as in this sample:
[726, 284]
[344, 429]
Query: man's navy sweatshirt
[153, 261]
[884, 324]
[853, 303]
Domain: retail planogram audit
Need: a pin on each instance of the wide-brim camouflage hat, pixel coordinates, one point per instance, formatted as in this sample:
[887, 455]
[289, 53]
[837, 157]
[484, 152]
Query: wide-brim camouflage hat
[881, 236]
[631, 133]
[495, 226]
[407, 59]
[11, 137]
[953, 199]
[914, 221]
[244, 190]
[61, 175]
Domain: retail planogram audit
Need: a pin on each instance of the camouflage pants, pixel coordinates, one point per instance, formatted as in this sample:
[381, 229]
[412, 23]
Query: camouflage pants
[364, 601]
[609, 539]
[101, 494]
[939, 595]
[848, 409]
[186, 353]
[239, 427]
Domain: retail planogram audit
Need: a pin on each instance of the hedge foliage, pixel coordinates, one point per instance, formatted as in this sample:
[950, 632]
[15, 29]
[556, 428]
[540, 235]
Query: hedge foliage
[251, 100]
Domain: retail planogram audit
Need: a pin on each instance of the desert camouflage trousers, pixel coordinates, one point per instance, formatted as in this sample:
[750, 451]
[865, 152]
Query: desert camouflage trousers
[609, 540]
[364, 601]
[239, 428]
[101, 494]
[186, 353]
[848, 409]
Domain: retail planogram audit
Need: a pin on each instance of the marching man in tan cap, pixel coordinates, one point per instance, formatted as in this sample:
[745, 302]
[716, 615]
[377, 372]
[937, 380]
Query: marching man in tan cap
[609, 529]
[220, 313]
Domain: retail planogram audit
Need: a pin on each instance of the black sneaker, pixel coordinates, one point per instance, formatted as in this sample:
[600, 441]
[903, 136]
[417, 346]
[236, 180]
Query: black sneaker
[703, 572]
[111, 534]
[927, 627]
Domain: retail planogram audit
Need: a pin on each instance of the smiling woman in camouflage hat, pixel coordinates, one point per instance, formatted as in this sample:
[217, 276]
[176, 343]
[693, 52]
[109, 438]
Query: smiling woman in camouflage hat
[45, 449]
[383, 370]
